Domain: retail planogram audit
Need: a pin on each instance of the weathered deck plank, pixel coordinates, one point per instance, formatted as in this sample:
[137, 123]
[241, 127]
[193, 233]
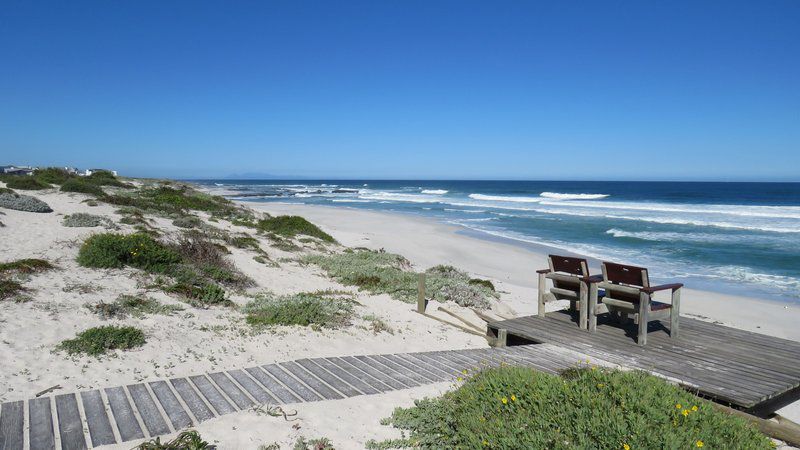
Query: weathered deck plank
[212, 395]
[193, 401]
[257, 392]
[12, 425]
[230, 389]
[100, 431]
[69, 422]
[40, 419]
[175, 412]
[148, 411]
[127, 424]
[278, 390]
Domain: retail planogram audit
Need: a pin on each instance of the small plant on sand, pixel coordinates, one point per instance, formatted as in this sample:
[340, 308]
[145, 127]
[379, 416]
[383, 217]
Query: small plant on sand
[82, 186]
[85, 220]
[379, 272]
[111, 250]
[9, 288]
[291, 226]
[98, 340]
[320, 309]
[134, 305]
[188, 440]
[517, 407]
[187, 222]
[377, 324]
[25, 203]
[188, 283]
[28, 265]
[26, 183]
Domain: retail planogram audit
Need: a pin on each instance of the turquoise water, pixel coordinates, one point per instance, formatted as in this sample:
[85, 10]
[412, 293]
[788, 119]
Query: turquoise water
[740, 238]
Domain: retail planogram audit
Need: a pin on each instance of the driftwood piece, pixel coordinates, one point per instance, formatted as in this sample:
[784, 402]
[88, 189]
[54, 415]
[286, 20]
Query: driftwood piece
[48, 390]
[784, 429]
[463, 320]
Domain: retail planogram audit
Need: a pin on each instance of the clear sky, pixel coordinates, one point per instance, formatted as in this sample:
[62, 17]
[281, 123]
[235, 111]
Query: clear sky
[633, 89]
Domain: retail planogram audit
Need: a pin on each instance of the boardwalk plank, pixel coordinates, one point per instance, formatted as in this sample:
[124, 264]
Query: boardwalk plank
[257, 392]
[127, 424]
[100, 431]
[277, 390]
[344, 369]
[311, 381]
[378, 372]
[40, 418]
[177, 415]
[335, 382]
[356, 385]
[69, 422]
[193, 401]
[151, 416]
[12, 422]
[295, 386]
[214, 397]
[402, 375]
[230, 389]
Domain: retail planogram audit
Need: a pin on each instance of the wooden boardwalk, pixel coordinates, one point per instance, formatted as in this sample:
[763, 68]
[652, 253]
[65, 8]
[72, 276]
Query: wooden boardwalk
[749, 371]
[145, 410]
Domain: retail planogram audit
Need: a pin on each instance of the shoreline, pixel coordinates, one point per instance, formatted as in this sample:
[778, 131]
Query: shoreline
[427, 242]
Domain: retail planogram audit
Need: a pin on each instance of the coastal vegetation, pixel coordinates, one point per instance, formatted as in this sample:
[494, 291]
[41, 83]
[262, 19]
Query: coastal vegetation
[291, 226]
[19, 202]
[98, 340]
[9, 288]
[319, 309]
[132, 305]
[28, 265]
[586, 407]
[139, 250]
[187, 440]
[82, 186]
[86, 220]
[380, 272]
[25, 183]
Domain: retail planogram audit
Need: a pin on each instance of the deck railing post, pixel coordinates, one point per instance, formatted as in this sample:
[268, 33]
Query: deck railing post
[421, 303]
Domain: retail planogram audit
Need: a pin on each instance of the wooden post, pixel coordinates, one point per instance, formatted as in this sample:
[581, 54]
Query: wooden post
[674, 314]
[583, 305]
[542, 286]
[644, 308]
[502, 338]
[421, 303]
[592, 307]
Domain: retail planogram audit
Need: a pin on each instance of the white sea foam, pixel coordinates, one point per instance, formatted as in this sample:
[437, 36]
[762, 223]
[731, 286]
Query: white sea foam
[780, 212]
[505, 198]
[399, 197]
[560, 196]
[435, 191]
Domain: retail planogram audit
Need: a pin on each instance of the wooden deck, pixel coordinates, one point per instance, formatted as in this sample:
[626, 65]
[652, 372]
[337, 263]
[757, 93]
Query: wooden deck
[74, 421]
[748, 371]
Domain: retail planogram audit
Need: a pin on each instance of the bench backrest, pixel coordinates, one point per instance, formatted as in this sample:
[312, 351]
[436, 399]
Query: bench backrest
[628, 278]
[574, 267]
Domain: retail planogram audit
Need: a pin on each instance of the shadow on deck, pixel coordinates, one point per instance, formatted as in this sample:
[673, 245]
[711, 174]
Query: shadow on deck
[749, 371]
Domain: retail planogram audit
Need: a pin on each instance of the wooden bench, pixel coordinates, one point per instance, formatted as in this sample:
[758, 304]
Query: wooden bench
[570, 281]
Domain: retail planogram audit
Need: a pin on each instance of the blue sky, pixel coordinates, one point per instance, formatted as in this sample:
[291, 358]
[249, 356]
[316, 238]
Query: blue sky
[405, 89]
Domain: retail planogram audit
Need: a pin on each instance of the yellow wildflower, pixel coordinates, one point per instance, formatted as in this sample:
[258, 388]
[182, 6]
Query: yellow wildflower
[465, 371]
[626, 447]
[699, 443]
[504, 400]
[513, 398]
[685, 412]
[459, 379]
[694, 408]
[485, 442]
[678, 406]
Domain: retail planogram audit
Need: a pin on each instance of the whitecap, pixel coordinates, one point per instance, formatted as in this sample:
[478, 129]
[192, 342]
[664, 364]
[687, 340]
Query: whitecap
[560, 196]
[435, 191]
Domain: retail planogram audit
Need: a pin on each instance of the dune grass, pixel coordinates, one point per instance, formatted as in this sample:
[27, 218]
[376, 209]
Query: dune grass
[98, 340]
[28, 265]
[380, 272]
[320, 309]
[10, 288]
[586, 408]
[132, 305]
[187, 440]
[82, 186]
[112, 250]
[291, 226]
[27, 183]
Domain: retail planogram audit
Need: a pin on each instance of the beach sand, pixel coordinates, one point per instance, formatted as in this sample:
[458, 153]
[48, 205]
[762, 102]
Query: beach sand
[201, 340]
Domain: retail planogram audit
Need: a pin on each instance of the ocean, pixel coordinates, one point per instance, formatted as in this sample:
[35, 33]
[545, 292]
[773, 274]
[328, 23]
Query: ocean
[740, 238]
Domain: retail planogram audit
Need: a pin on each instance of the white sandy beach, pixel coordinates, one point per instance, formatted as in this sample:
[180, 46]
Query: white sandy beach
[201, 340]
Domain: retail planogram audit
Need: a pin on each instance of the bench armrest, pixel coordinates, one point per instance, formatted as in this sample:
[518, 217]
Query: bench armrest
[663, 287]
[543, 271]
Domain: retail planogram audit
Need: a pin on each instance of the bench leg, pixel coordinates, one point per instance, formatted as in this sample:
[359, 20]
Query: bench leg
[542, 286]
[592, 307]
[675, 313]
[644, 308]
[583, 306]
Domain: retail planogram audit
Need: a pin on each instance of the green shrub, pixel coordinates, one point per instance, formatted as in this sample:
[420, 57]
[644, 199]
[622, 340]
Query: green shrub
[19, 202]
[4, 190]
[202, 292]
[105, 178]
[111, 250]
[82, 186]
[515, 407]
[29, 265]
[321, 309]
[9, 288]
[85, 220]
[53, 175]
[165, 199]
[379, 272]
[26, 183]
[484, 283]
[188, 440]
[134, 305]
[98, 340]
[291, 226]
[187, 222]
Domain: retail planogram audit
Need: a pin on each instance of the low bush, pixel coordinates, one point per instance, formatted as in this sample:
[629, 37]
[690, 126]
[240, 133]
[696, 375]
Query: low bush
[187, 440]
[111, 250]
[208, 258]
[98, 340]
[379, 272]
[169, 200]
[321, 309]
[187, 222]
[484, 283]
[29, 265]
[82, 186]
[19, 202]
[105, 178]
[53, 175]
[85, 220]
[9, 288]
[133, 305]
[26, 183]
[291, 226]
[199, 290]
[515, 407]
